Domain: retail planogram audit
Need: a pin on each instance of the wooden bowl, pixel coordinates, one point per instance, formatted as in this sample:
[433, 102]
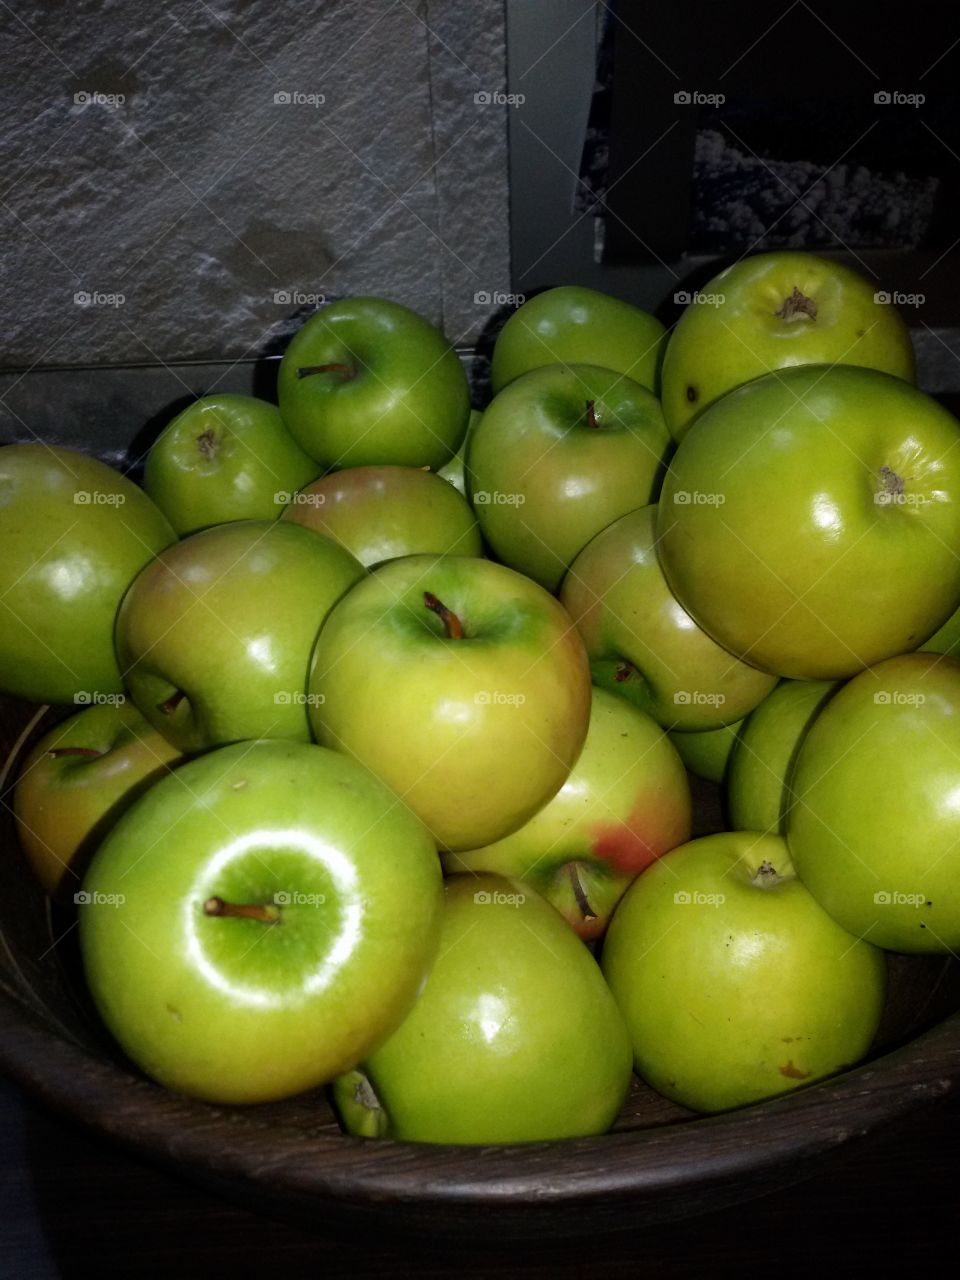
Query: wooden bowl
[289, 1158]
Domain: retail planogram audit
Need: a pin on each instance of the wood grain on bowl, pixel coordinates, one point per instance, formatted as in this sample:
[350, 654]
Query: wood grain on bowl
[658, 1163]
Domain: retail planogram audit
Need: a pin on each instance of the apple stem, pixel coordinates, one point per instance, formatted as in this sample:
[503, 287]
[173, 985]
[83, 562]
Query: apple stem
[583, 902]
[89, 752]
[449, 619]
[169, 707]
[344, 369]
[797, 305]
[265, 912]
[592, 415]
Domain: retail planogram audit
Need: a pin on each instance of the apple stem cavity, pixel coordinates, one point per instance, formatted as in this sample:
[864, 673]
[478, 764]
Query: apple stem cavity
[592, 415]
[451, 622]
[345, 370]
[796, 306]
[265, 912]
[579, 893]
[88, 752]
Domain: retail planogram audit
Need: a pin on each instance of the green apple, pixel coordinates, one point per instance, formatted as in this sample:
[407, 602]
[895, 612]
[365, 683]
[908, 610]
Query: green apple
[215, 635]
[626, 801]
[773, 311]
[74, 533]
[366, 381]
[382, 513]
[77, 781]
[514, 1039]
[642, 644]
[706, 752]
[452, 471]
[459, 682]
[225, 457]
[759, 794]
[810, 519]
[875, 825]
[573, 325]
[559, 454]
[735, 985]
[257, 922]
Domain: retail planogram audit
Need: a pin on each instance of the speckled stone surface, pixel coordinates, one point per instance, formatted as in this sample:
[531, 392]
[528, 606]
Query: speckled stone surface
[199, 174]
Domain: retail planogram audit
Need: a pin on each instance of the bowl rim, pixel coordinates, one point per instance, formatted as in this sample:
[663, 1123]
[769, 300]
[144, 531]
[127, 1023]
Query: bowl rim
[625, 1164]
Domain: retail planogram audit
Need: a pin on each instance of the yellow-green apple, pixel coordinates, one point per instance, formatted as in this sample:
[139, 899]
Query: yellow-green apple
[759, 794]
[706, 752]
[74, 533]
[810, 519]
[77, 781]
[459, 682]
[215, 635]
[367, 381]
[774, 311]
[559, 454]
[573, 325]
[874, 828]
[258, 921]
[642, 643]
[626, 801]
[734, 983]
[382, 513]
[225, 457]
[514, 1039]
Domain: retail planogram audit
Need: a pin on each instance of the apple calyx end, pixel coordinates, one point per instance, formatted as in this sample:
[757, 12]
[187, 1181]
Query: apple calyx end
[346, 371]
[207, 443]
[797, 306]
[892, 485]
[453, 625]
[767, 876]
[265, 912]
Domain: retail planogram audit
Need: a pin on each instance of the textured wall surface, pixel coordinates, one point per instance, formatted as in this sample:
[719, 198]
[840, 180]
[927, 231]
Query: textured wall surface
[183, 180]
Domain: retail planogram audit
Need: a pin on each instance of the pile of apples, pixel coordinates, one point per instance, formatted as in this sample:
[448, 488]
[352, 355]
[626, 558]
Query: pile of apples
[381, 776]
